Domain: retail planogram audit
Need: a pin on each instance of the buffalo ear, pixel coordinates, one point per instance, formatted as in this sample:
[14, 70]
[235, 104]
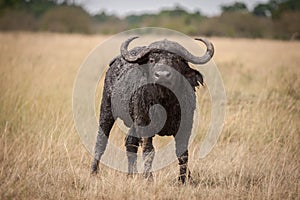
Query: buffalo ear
[199, 77]
[194, 77]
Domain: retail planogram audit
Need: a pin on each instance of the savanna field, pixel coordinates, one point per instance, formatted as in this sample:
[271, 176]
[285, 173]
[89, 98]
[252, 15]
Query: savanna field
[41, 156]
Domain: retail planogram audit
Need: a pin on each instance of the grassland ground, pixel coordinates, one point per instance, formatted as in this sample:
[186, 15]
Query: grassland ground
[41, 156]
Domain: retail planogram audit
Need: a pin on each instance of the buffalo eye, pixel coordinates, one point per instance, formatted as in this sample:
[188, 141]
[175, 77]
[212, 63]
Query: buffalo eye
[151, 60]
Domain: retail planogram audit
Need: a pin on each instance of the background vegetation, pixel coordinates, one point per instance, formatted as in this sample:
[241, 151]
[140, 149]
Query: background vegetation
[275, 19]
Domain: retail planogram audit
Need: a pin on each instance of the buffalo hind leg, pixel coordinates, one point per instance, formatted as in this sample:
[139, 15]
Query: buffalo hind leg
[148, 156]
[132, 144]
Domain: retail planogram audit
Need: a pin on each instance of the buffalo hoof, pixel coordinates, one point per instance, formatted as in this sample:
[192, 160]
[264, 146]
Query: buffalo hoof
[94, 168]
[184, 180]
[148, 176]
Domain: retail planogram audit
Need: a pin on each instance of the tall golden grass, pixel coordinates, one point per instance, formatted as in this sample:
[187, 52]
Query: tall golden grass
[41, 156]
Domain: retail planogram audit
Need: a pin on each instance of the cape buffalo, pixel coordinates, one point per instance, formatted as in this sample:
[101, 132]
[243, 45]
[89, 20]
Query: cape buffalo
[157, 65]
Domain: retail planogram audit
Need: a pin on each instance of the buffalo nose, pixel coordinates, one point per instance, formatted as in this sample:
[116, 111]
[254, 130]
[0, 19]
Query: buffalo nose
[162, 74]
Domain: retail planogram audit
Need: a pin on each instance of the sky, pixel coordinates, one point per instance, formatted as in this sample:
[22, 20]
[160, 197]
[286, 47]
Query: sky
[122, 8]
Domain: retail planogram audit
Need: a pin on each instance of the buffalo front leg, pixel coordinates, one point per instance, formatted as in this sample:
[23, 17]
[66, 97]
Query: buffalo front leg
[132, 144]
[100, 147]
[182, 155]
[106, 122]
[148, 156]
[101, 143]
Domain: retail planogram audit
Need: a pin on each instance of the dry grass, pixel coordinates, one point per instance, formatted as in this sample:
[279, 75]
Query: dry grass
[41, 156]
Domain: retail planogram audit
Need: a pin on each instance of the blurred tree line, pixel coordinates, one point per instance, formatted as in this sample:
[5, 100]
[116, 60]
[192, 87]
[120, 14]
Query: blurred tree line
[275, 19]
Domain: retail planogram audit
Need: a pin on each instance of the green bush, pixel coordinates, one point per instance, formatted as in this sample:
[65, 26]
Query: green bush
[66, 19]
[288, 26]
[17, 20]
[237, 24]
